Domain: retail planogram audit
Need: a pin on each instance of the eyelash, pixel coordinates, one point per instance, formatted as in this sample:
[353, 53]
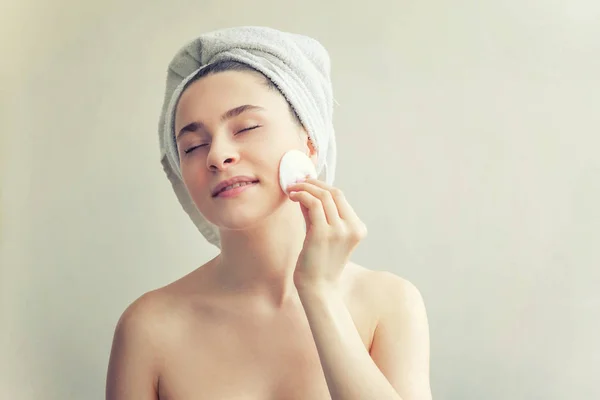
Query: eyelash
[243, 130]
[249, 128]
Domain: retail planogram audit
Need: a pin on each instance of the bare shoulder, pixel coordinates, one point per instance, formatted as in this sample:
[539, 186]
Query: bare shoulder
[135, 357]
[382, 289]
[150, 314]
[141, 326]
[146, 312]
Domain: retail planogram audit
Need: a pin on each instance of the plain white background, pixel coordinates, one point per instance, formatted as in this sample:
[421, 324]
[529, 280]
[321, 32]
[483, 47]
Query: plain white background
[468, 143]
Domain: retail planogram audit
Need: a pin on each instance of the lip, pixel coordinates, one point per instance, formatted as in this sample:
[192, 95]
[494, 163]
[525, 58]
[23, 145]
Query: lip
[231, 181]
[235, 191]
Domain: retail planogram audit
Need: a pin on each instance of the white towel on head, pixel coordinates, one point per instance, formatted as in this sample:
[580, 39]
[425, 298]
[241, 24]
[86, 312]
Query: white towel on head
[298, 65]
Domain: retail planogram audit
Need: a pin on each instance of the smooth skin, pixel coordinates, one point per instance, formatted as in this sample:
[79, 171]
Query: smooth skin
[281, 312]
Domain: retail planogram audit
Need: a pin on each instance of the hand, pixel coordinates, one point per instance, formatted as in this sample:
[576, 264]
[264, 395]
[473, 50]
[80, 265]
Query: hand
[333, 230]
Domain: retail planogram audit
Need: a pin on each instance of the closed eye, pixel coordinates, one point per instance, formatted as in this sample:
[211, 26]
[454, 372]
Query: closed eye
[250, 128]
[193, 148]
[203, 145]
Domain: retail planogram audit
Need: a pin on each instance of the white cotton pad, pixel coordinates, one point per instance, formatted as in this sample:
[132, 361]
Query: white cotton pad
[295, 165]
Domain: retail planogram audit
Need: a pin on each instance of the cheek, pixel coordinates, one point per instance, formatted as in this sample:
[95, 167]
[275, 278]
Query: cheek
[265, 160]
[194, 178]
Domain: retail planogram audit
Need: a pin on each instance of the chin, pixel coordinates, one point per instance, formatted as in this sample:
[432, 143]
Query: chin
[238, 222]
[244, 215]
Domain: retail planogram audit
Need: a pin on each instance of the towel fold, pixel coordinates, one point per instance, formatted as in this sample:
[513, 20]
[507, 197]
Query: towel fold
[298, 65]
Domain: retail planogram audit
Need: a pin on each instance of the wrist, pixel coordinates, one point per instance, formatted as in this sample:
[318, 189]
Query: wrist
[319, 289]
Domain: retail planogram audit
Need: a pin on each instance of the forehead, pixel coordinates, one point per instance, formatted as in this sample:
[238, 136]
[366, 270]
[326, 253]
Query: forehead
[207, 99]
[225, 88]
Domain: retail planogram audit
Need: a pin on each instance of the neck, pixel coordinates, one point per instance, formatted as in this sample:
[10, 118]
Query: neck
[260, 261]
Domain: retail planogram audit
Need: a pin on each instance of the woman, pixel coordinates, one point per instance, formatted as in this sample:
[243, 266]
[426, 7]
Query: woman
[281, 312]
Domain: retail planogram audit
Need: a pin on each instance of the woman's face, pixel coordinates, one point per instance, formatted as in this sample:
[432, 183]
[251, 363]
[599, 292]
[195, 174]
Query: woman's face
[215, 143]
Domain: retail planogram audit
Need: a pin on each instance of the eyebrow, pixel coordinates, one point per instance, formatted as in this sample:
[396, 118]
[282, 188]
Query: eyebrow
[234, 112]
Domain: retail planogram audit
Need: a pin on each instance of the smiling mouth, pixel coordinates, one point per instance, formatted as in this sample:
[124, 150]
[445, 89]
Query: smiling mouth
[236, 185]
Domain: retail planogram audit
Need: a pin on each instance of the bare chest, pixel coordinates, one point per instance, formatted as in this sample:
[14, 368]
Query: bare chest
[249, 360]
[252, 373]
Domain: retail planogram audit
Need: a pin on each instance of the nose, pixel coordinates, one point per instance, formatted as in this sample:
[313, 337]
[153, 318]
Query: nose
[221, 156]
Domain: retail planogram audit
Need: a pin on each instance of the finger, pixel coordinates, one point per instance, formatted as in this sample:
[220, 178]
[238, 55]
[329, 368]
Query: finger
[348, 217]
[328, 203]
[345, 210]
[316, 213]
